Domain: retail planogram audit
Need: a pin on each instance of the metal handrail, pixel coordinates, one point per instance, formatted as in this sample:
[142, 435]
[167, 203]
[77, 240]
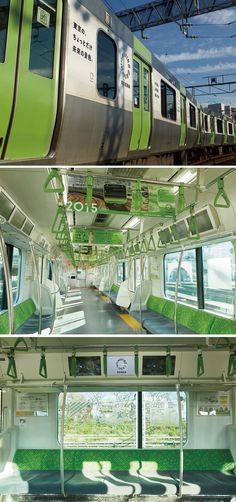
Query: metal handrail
[39, 289]
[62, 462]
[177, 290]
[181, 451]
[8, 283]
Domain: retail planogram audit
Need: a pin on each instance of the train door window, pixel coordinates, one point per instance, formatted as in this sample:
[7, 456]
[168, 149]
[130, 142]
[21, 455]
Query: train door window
[137, 272]
[219, 277]
[146, 268]
[106, 66]
[161, 419]
[4, 16]
[219, 126]
[168, 101]
[187, 290]
[131, 276]
[120, 272]
[193, 120]
[136, 85]
[230, 128]
[146, 89]
[126, 274]
[43, 33]
[99, 420]
[15, 273]
[206, 123]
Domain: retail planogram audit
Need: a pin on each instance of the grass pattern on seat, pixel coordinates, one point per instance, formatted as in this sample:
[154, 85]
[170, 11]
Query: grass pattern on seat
[201, 460]
[22, 312]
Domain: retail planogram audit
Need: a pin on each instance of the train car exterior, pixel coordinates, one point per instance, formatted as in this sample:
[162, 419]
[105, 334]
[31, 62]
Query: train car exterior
[99, 96]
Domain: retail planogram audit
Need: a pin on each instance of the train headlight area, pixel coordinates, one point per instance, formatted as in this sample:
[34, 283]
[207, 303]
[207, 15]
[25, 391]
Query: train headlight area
[117, 418]
[82, 89]
[117, 251]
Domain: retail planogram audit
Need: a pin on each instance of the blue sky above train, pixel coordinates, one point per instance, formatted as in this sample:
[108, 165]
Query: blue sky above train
[193, 60]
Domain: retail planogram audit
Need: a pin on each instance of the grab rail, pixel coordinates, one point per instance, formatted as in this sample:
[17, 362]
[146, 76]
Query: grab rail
[177, 289]
[7, 275]
[62, 462]
[181, 451]
[38, 282]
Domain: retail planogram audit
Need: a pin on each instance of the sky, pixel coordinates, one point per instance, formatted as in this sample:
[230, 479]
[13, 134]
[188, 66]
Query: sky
[193, 61]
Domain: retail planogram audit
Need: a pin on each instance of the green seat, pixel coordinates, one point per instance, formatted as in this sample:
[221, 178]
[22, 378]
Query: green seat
[22, 312]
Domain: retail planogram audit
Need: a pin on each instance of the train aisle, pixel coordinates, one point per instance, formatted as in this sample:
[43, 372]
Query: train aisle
[86, 312]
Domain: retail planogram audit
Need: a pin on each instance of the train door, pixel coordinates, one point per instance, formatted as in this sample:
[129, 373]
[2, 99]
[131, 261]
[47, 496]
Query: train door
[30, 54]
[183, 110]
[141, 105]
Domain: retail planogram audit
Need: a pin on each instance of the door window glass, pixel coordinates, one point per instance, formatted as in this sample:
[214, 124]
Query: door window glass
[4, 17]
[42, 45]
[146, 89]
[187, 291]
[106, 66]
[168, 101]
[15, 273]
[192, 111]
[136, 85]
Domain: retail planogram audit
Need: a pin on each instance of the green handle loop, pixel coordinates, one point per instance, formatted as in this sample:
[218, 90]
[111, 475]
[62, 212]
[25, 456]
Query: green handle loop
[175, 233]
[21, 345]
[168, 362]
[43, 365]
[73, 364]
[11, 369]
[131, 250]
[136, 365]
[151, 244]
[54, 175]
[181, 204]
[137, 248]
[221, 194]
[200, 363]
[143, 248]
[105, 360]
[193, 230]
[231, 364]
[89, 195]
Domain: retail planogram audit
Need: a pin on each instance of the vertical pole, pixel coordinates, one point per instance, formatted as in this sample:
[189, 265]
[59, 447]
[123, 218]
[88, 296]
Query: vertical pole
[54, 293]
[140, 420]
[177, 290]
[181, 452]
[62, 462]
[39, 289]
[7, 275]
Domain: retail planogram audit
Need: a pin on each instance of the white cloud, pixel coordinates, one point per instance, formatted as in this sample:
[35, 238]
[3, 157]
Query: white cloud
[199, 54]
[219, 16]
[207, 68]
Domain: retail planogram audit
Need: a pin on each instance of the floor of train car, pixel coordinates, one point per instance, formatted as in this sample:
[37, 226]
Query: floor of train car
[86, 311]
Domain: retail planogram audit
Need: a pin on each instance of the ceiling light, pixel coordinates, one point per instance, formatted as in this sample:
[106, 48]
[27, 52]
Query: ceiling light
[132, 223]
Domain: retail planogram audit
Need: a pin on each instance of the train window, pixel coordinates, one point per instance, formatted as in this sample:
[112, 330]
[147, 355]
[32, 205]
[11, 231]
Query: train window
[137, 272]
[15, 273]
[99, 420]
[192, 112]
[131, 276]
[206, 123]
[120, 272]
[219, 277]
[4, 16]
[230, 128]
[161, 419]
[219, 126]
[136, 85]
[187, 290]
[168, 101]
[106, 66]
[146, 89]
[43, 33]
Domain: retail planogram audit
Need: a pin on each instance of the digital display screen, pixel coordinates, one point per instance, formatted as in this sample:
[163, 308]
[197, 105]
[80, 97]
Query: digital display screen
[87, 365]
[165, 236]
[182, 229]
[156, 365]
[203, 222]
[6, 206]
[18, 219]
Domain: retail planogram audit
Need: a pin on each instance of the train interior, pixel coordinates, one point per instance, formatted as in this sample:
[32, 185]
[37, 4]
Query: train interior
[117, 251]
[113, 419]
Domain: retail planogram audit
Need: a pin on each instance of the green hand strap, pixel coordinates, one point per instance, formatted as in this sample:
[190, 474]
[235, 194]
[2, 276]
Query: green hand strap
[11, 369]
[43, 365]
[54, 175]
[200, 363]
[221, 194]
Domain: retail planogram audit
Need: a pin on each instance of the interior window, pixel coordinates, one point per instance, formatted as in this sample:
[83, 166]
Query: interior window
[137, 272]
[106, 66]
[187, 291]
[42, 45]
[120, 273]
[168, 101]
[4, 16]
[99, 420]
[15, 273]
[219, 277]
[161, 419]
[192, 111]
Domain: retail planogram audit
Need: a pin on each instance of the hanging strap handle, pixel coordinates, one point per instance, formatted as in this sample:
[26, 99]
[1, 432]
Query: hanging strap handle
[11, 369]
[105, 360]
[232, 363]
[221, 194]
[151, 243]
[73, 364]
[54, 175]
[168, 362]
[136, 362]
[43, 365]
[193, 230]
[200, 363]
[181, 204]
